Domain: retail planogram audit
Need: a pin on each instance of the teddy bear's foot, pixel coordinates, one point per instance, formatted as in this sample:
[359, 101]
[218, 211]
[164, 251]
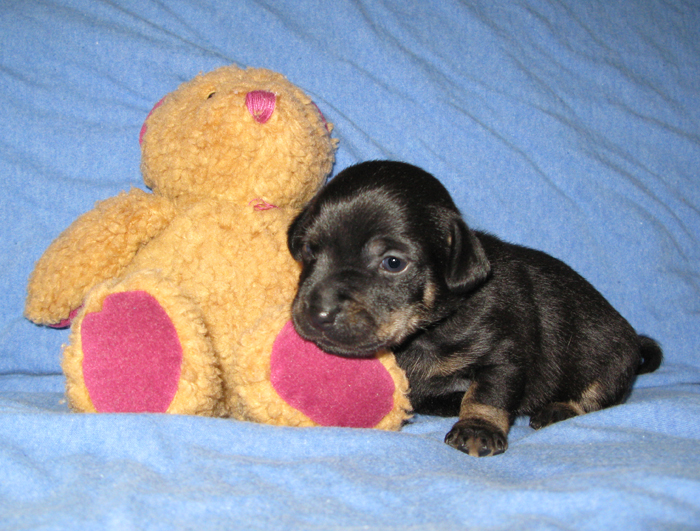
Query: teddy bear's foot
[277, 377]
[133, 352]
[331, 390]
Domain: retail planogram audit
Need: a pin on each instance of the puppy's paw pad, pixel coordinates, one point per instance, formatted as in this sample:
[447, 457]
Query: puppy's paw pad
[477, 439]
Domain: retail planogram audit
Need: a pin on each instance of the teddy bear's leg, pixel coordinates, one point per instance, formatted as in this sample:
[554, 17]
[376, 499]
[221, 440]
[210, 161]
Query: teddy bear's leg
[336, 391]
[276, 377]
[140, 345]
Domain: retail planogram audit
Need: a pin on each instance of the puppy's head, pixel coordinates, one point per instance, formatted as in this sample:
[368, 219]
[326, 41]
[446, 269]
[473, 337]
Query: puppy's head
[383, 250]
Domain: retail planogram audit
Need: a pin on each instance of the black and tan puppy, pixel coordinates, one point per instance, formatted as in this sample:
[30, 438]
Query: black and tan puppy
[484, 329]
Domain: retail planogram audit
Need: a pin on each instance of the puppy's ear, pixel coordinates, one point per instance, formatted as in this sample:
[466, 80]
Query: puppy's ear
[467, 265]
[295, 233]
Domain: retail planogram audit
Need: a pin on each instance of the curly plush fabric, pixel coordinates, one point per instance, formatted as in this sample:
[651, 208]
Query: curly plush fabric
[230, 157]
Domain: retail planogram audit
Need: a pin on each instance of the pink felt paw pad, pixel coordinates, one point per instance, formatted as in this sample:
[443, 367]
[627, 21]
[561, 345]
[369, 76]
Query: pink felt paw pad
[330, 390]
[131, 355]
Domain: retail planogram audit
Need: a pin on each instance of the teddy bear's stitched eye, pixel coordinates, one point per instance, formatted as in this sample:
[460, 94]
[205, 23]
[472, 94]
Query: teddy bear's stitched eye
[211, 95]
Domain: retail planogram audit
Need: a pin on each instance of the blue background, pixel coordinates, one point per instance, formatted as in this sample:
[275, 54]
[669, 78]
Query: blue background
[572, 127]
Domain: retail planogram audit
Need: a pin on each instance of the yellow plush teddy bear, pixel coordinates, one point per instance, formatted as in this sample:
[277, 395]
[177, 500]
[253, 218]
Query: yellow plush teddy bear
[179, 300]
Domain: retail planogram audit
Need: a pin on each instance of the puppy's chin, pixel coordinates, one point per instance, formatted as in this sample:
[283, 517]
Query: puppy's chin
[349, 351]
[366, 337]
[329, 341]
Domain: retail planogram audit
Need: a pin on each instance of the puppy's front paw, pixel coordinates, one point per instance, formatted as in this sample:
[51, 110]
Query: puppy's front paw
[477, 438]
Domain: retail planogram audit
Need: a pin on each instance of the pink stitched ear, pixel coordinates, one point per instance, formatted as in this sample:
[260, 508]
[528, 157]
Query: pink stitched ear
[261, 105]
[144, 127]
[323, 118]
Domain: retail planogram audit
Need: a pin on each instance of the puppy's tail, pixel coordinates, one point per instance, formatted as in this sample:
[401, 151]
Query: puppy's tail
[651, 355]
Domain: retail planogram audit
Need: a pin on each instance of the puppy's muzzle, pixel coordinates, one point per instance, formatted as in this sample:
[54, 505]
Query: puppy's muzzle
[323, 307]
[330, 315]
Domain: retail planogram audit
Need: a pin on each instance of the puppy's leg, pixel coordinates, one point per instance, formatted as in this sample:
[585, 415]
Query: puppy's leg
[482, 429]
[555, 412]
[592, 399]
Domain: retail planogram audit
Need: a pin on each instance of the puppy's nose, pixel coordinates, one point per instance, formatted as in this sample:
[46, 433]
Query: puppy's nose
[322, 318]
[324, 304]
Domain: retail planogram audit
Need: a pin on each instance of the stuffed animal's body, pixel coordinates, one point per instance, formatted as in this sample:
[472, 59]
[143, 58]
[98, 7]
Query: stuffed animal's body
[180, 298]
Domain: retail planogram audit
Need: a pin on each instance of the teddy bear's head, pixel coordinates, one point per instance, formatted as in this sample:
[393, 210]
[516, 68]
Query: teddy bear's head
[237, 135]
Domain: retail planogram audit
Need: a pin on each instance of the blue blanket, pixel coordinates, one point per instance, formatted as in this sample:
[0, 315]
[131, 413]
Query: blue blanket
[569, 126]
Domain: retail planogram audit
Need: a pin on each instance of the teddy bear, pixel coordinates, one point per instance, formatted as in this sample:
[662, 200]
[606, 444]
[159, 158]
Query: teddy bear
[179, 297]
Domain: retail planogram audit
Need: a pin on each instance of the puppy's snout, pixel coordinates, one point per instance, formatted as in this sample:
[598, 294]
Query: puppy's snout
[323, 308]
[322, 319]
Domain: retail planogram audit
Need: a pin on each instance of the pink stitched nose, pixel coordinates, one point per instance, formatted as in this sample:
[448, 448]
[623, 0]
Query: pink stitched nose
[261, 105]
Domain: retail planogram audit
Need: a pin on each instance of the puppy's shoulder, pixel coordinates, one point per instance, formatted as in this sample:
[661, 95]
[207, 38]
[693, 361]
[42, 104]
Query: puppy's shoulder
[503, 252]
[500, 252]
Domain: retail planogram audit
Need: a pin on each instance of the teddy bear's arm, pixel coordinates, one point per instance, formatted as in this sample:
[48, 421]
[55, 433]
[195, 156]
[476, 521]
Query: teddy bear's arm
[95, 247]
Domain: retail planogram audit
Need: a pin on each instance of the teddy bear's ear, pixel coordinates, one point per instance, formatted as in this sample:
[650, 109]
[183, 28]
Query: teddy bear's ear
[144, 127]
[329, 126]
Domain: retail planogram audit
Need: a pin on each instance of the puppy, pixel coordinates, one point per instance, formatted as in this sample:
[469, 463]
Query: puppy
[484, 329]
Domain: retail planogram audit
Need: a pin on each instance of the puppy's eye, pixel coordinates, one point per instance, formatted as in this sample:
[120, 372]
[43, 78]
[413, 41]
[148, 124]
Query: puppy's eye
[211, 95]
[307, 253]
[392, 264]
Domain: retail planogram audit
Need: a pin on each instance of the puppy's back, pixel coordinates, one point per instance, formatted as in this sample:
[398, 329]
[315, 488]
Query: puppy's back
[582, 338]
